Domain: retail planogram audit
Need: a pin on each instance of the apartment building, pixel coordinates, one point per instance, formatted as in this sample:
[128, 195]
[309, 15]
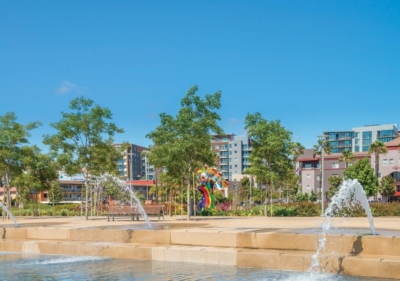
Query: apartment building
[233, 154]
[310, 170]
[359, 139]
[132, 165]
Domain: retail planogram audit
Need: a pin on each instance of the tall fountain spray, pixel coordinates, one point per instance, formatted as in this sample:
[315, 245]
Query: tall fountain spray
[9, 214]
[134, 201]
[350, 194]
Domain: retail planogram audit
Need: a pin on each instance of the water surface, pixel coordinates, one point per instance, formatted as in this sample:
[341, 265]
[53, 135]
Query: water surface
[20, 266]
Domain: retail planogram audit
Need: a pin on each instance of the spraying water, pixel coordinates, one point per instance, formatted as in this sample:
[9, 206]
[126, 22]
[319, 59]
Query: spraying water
[9, 214]
[350, 194]
[134, 201]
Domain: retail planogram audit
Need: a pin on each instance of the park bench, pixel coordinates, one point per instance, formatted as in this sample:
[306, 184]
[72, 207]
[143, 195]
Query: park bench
[123, 211]
[154, 209]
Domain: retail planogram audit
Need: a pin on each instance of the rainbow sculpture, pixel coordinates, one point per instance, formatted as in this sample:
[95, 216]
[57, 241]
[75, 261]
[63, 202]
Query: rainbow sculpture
[209, 179]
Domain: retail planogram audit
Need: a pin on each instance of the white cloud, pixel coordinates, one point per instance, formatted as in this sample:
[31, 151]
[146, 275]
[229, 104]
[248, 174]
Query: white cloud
[67, 87]
[233, 121]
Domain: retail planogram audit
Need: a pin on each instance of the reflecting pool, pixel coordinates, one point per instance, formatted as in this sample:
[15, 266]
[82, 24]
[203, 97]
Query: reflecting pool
[17, 266]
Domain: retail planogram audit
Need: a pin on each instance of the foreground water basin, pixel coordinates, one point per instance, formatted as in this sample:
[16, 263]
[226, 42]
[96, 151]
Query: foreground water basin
[22, 266]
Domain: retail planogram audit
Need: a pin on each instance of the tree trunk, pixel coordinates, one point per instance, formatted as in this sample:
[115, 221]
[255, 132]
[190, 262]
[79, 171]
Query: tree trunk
[8, 194]
[188, 197]
[170, 202]
[266, 199]
[194, 199]
[376, 172]
[87, 196]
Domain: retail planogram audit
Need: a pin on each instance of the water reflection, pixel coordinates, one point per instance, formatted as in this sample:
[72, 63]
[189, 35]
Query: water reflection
[17, 266]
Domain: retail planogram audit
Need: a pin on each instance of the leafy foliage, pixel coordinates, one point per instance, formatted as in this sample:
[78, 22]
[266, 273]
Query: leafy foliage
[334, 184]
[80, 144]
[387, 187]
[182, 143]
[363, 172]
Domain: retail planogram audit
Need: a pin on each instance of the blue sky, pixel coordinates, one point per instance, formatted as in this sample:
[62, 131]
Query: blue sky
[315, 65]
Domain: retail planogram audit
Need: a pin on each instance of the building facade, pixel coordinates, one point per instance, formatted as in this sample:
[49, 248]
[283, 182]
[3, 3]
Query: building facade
[310, 170]
[131, 165]
[233, 154]
[359, 139]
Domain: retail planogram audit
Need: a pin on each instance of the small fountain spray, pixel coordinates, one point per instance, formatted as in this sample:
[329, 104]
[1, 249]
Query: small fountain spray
[9, 214]
[134, 201]
[350, 194]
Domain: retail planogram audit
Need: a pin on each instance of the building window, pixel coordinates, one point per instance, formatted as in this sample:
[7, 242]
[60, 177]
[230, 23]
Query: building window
[384, 161]
[318, 178]
[235, 151]
[235, 159]
[235, 144]
[216, 139]
[308, 187]
[230, 145]
[235, 166]
[308, 176]
[224, 139]
[391, 162]
[307, 166]
[217, 147]
[230, 166]
[335, 165]
[230, 159]
[230, 152]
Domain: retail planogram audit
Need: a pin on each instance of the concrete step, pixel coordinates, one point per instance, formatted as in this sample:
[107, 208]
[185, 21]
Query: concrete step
[357, 265]
[340, 244]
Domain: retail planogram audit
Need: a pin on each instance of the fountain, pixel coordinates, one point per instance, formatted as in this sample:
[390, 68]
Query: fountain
[350, 194]
[9, 214]
[134, 201]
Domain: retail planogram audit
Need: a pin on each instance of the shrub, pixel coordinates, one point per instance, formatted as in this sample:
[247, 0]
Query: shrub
[307, 209]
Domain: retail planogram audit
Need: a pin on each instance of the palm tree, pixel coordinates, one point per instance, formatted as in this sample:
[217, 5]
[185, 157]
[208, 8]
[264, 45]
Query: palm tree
[297, 149]
[377, 148]
[347, 157]
[322, 147]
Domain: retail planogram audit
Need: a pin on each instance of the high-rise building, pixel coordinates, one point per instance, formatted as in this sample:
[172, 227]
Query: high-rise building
[359, 139]
[130, 166]
[233, 154]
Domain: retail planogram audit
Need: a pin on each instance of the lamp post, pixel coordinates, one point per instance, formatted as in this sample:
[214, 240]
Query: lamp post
[322, 138]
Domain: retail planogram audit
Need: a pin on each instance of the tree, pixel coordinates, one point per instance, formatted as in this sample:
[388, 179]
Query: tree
[244, 189]
[347, 157]
[334, 184]
[377, 148]
[271, 150]
[13, 139]
[293, 179]
[322, 147]
[182, 143]
[387, 187]
[80, 143]
[363, 172]
[40, 171]
[55, 192]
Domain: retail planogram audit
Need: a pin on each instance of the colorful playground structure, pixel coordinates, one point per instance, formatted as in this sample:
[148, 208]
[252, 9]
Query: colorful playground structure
[209, 179]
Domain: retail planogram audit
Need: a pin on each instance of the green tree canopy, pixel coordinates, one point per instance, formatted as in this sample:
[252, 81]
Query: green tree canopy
[13, 140]
[83, 142]
[334, 184]
[182, 143]
[271, 149]
[347, 157]
[363, 172]
[387, 187]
